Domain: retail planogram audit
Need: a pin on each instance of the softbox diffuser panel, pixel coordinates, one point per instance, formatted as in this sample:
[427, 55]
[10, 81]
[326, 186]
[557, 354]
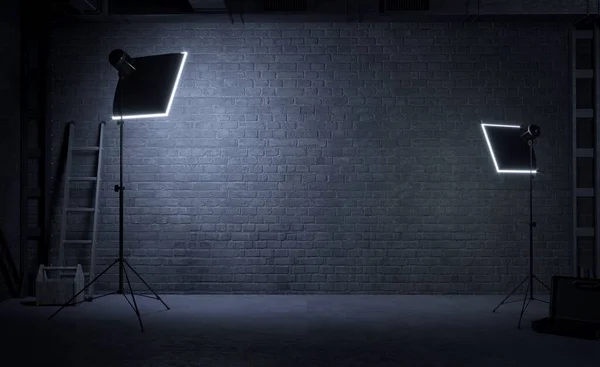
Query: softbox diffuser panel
[509, 152]
[149, 91]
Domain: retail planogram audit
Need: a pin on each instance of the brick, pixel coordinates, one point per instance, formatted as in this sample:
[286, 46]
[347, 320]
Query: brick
[325, 158]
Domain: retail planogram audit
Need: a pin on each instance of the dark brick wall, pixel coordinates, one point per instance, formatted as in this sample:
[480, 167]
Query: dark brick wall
[9, 130]
[329, 157]
[535, 6]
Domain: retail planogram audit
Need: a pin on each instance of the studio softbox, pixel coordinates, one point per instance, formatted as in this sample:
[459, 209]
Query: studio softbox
[509, 150]
[147, 85]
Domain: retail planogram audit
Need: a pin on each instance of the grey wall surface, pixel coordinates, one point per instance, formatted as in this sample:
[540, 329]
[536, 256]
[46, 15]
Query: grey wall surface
[9, 131]
[328, 157]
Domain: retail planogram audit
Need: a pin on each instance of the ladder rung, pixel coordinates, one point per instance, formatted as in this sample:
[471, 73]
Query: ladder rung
[83, 178]
[584, 113]
[584, 73]
[584, 192]
[584, 35]
[77, 242]
[34, 233]
[585, 232]
[34, 193]
[86, 149]
[584, 153]
[81, 209]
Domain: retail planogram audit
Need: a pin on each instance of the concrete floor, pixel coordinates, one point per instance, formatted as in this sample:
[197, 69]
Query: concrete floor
[287, 331]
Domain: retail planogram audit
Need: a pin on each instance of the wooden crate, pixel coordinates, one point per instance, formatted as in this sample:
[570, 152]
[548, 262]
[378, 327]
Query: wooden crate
[57, 285]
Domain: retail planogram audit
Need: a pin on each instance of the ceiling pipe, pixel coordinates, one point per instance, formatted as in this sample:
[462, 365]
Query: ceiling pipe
[596, 15]
[86, 6]
[587, 15]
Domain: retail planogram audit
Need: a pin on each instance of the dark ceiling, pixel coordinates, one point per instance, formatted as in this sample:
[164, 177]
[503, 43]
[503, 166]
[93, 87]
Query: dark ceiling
[151, 7]
[330, 10]
[61, 7]
[246, 7]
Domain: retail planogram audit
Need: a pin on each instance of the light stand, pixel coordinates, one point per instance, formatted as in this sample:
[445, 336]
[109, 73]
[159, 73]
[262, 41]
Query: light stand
[146, 67]
[531, 277]
[516, 165]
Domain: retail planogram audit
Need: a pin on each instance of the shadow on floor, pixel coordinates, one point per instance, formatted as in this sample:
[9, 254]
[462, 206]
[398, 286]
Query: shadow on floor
[289, 331]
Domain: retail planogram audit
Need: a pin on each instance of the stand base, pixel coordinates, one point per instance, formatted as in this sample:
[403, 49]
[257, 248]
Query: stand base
[527, 299]
[92, 298]
[122, 262]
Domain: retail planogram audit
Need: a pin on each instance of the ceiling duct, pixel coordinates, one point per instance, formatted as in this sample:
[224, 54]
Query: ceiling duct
[86, 6]
[285, 6]
[208, 5]
[390, 6]
[77, 6]
[254, 6]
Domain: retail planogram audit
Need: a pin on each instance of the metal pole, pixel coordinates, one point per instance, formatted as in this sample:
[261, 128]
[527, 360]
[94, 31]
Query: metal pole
[120, 189]
[121, 199]
[596, 147]
[25, 47]
[575, 223]
[46, 138]
[531, 222]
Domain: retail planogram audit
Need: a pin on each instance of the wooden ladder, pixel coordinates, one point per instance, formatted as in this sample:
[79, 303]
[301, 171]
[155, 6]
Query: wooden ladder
[68, 209]
[8, 268]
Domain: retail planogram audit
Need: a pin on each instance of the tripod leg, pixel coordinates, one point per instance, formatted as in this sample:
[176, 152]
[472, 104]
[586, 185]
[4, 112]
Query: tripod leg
[510, 294]
[83, 290]
[135, 306]
[525, 310]
[525, 303]
[128, 301]
[542, 283]
[146, 284]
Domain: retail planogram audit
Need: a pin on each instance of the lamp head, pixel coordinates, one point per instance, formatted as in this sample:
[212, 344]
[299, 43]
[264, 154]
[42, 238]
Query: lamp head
[121, 61]
[529, 132]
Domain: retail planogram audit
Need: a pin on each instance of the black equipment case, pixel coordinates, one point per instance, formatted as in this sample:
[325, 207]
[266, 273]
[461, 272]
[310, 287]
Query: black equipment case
[574, 309]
